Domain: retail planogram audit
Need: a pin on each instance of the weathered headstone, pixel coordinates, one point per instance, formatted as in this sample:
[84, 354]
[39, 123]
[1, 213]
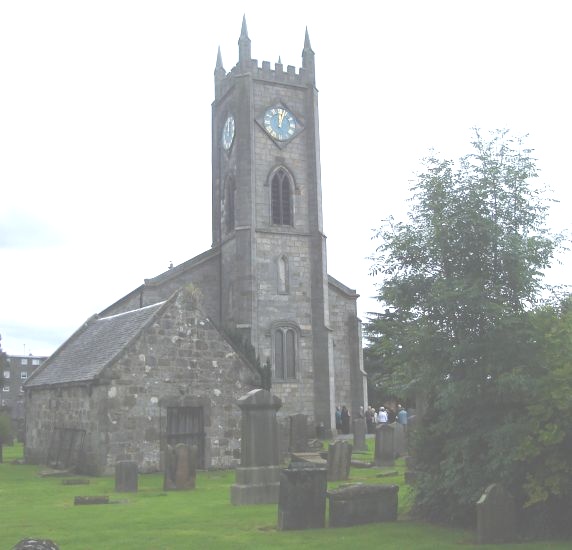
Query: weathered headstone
[298, 433]
[399, 439]
[339, 460]
[126, 480]
[258, 476]
[384, 446]
[359, 429]
[496, 516]
[359, 504]
[36, 544]
[180, 467]
[302, 498]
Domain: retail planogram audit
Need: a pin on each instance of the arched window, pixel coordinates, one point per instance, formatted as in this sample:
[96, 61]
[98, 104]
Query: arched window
[283, 276]
[230, 191]
[285, 364]
[281, 198]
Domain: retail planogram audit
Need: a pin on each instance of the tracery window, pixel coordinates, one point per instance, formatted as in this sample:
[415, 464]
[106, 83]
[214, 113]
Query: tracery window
[285, 362]
[281, 197]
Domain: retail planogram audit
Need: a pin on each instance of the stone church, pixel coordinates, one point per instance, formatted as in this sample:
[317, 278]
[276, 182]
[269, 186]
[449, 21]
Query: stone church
[168, 360]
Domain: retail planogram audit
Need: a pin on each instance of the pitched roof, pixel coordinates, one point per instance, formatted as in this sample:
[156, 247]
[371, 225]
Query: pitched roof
[94, 346]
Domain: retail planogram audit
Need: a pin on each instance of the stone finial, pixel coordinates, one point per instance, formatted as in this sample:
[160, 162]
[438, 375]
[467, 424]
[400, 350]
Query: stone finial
[308, 62]
[244, 55]
[218, 66]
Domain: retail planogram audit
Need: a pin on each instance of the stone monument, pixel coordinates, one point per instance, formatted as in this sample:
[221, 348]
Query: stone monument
[180, 467]
[302, 500]
[339, 461]
[126, 480]
[384, 446]
[258, 476]
[360, 430]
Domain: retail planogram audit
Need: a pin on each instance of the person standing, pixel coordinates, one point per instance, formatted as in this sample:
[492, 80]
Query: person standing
[338, 420]
[345, 420]
[401, 415]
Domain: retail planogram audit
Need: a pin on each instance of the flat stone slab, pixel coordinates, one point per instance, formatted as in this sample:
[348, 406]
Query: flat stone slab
[314, 458]
[75, 481]
[78, 501]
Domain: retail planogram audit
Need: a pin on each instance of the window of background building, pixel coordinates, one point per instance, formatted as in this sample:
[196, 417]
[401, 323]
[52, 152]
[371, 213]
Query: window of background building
[6, 374]
[24, 375]
[24, 361]
[35, 362]
[6, 388]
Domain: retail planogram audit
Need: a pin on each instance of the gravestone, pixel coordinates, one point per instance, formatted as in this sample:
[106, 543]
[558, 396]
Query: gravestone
[339, 460]
[180, 467]
[359, 429]
[359, 504]
[36, 544]
[496, 516]
[126, 476]
[258, 476]
[302, 498]
[399, 439]
[298, 433]
[384, 446]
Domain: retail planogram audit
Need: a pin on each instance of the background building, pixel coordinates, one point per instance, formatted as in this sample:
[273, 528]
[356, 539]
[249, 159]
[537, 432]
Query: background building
[18, 369]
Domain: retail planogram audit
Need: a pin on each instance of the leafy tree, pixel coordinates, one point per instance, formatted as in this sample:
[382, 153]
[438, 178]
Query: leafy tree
[546, 447]
[459, 279]
[3, 363]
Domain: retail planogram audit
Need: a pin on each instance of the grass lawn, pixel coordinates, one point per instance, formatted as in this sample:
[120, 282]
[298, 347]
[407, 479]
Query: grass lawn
[34, 506]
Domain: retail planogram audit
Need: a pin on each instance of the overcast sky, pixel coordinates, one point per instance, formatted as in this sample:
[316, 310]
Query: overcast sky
[105, 129]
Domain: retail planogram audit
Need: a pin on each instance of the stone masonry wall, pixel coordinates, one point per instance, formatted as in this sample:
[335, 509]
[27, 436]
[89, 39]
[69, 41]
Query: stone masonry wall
[344, 323]
[79, 407]
[181, 355]
[179, 359]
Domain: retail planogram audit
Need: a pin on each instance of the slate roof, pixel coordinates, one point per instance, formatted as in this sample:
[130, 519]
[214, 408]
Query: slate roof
[91, 348]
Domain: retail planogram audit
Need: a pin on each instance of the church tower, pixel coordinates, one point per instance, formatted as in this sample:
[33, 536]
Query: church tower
[267, 224]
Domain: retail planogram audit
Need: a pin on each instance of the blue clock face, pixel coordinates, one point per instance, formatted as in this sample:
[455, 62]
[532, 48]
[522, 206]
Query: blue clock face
[228, 133]
[279, 123]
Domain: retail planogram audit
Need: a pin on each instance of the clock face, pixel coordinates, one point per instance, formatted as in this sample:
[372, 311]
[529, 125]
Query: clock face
[228, 133]
[280, 123]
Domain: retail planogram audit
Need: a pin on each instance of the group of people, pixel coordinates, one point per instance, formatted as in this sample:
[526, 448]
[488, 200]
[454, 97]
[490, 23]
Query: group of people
[342, 420]
[372, 417]
[384, 416]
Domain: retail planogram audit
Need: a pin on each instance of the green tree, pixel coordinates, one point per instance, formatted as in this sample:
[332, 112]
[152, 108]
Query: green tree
[3, 363]
[459, 278]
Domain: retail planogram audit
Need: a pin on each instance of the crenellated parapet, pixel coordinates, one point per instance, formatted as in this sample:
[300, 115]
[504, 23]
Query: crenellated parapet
[305, 76]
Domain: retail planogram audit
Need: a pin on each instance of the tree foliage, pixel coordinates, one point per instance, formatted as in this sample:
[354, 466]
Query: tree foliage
[460, 279]
[3, 363]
